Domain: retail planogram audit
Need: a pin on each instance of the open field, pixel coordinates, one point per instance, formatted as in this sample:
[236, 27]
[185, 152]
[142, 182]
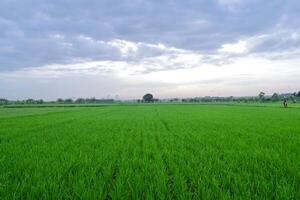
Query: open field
[150, 152]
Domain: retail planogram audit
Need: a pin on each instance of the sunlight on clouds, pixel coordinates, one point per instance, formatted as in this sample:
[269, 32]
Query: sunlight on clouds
[140, 58]
[126, 48]
[246, 67]
[237, 48]
[168, 64]
[169, 71]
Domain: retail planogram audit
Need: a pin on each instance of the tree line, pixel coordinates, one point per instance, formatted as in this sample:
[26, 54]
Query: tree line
[261, 97]
[92, 100]
[84, 101]
[148, 98]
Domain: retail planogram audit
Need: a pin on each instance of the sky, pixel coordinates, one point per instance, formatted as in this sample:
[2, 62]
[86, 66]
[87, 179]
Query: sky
[126, 48]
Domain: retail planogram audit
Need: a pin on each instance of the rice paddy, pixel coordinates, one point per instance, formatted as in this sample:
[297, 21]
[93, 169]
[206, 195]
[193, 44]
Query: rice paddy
[150, 152]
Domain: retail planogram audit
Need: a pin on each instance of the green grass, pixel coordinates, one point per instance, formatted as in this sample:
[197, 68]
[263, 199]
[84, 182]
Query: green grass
[150, 152]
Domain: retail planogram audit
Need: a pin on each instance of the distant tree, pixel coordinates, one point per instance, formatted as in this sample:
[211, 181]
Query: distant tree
[275, 97]
[60, 101]
[30, 101]
[155, 100]
[91, 100]
[148, 98]
[80, 100]
[104, 101]
[298, 94]
[68, 100]
[3, 101]
[40, 101]
[261, 95]
[293, 98]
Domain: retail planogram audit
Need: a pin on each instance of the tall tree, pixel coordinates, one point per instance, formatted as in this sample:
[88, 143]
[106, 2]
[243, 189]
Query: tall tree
[261, 95]
[275, 97]
[148, 98]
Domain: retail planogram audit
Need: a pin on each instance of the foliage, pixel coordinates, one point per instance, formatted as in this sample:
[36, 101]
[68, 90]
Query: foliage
[261, 95]
[148, 98]
[275, 97]
[4, 101]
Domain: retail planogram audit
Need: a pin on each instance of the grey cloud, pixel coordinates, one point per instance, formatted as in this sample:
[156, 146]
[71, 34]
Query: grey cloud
[201, 26]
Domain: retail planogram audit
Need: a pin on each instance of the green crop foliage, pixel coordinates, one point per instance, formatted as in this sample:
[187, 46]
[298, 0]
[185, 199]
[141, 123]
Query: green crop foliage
[150, 152]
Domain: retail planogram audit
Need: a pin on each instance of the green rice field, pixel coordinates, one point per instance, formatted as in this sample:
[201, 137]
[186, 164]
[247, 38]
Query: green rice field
[150, 152]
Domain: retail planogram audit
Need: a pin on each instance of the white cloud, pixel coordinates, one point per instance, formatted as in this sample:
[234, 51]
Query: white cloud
[246, 75]
[145, 58]
[279, 41]
[185, 71]
[236, 48]
[126, 47]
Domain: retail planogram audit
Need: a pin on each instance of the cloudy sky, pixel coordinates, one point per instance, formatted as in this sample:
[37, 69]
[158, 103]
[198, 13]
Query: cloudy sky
[125, 48]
